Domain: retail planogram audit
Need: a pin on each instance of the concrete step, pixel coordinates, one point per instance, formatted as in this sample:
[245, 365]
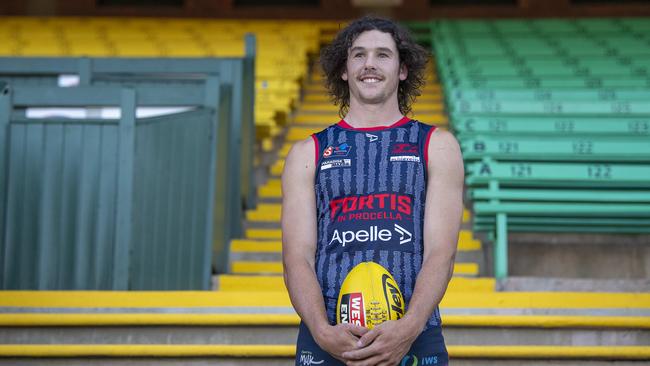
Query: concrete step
[281, 329]
[548, 284]
[284, 355]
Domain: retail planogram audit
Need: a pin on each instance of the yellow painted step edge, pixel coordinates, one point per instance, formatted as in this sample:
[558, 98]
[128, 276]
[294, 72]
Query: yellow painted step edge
[246, 319]
[551, 352]
[175, 350]
[180, 299]
[508, 352]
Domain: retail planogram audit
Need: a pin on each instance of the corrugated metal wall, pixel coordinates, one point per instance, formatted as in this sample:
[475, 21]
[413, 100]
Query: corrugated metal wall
[61, 204]
[171, 190]
[108, 205]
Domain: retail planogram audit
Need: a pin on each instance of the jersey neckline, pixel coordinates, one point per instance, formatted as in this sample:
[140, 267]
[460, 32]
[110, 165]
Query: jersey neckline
[347, 126]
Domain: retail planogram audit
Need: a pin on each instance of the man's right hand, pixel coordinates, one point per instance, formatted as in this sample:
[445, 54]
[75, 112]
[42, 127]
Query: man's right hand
[339, 338]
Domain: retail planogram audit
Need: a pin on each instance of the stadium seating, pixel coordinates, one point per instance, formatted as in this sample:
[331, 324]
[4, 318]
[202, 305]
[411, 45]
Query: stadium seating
[552, 117]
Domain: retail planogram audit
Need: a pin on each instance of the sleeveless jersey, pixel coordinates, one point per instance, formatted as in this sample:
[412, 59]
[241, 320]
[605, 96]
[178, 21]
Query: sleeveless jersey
[370, 186]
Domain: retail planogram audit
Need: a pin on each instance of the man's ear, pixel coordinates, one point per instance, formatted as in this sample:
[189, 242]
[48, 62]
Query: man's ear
[403, 72]
[344, 76]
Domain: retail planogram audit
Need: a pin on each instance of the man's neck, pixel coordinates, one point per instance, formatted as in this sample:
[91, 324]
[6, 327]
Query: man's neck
[372, 115]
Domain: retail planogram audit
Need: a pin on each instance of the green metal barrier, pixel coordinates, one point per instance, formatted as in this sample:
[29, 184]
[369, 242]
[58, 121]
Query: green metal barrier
[237, 72]
[110, 204]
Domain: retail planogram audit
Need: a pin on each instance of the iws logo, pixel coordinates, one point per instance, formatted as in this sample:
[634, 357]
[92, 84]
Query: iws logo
[307, 359]
[412, 360]
[407, 358]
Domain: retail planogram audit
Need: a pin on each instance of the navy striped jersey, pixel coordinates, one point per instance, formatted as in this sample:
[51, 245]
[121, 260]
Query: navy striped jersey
[370, 186]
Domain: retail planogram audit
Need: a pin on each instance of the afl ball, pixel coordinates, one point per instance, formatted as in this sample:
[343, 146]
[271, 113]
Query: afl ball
[369, 296]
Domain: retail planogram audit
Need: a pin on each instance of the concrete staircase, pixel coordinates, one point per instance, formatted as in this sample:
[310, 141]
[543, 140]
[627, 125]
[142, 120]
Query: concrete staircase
[249, 319]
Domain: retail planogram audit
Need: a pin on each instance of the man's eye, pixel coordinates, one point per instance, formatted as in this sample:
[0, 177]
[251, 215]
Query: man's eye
[383, 55]
[358, 55]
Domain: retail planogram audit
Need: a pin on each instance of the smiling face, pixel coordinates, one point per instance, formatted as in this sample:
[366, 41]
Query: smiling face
[373, 70]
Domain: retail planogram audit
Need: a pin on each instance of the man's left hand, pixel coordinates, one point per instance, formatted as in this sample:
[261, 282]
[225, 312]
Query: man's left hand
[384, 345]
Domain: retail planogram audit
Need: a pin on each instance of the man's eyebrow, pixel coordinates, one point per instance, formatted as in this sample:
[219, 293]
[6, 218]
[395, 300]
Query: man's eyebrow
[382, 49]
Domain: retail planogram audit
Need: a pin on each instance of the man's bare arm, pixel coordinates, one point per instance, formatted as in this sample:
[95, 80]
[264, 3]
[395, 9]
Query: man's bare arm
[299, 248]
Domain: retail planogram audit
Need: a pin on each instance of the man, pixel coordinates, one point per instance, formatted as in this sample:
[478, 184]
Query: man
[378, 168]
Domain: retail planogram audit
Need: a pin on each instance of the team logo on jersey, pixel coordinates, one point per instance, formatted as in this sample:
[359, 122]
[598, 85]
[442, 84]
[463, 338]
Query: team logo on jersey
[402, 148]
[404, 152]
[337, 151]
[371, 137]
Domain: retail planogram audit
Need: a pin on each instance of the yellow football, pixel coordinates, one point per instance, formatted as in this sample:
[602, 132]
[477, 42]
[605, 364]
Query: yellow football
[369, 296]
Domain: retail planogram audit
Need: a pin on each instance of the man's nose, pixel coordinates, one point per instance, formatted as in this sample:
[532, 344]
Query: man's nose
[369, 63]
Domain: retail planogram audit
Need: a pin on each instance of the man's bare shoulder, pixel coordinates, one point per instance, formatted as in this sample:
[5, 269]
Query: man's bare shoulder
[443, 140]
[300, 157]
[444, 152]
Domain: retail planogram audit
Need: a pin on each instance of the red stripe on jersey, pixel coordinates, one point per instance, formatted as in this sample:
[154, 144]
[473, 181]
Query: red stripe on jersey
[316, 149]
[426, 147]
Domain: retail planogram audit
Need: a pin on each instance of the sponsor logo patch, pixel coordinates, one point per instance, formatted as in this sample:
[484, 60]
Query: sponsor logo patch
[412, 360]
[371, 137]
[337, 151]
[336, 163]
[393, 206]
[372, 235]
[307, 358]
[393, 297]
[352, 309]
[404, 152]
[402, 148]
[415, 159]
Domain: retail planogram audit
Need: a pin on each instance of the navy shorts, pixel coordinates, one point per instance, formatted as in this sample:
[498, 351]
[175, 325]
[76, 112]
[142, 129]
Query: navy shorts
[428, 349]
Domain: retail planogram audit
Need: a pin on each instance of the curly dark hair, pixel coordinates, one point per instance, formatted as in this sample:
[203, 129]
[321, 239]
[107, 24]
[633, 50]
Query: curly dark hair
[333, 59]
